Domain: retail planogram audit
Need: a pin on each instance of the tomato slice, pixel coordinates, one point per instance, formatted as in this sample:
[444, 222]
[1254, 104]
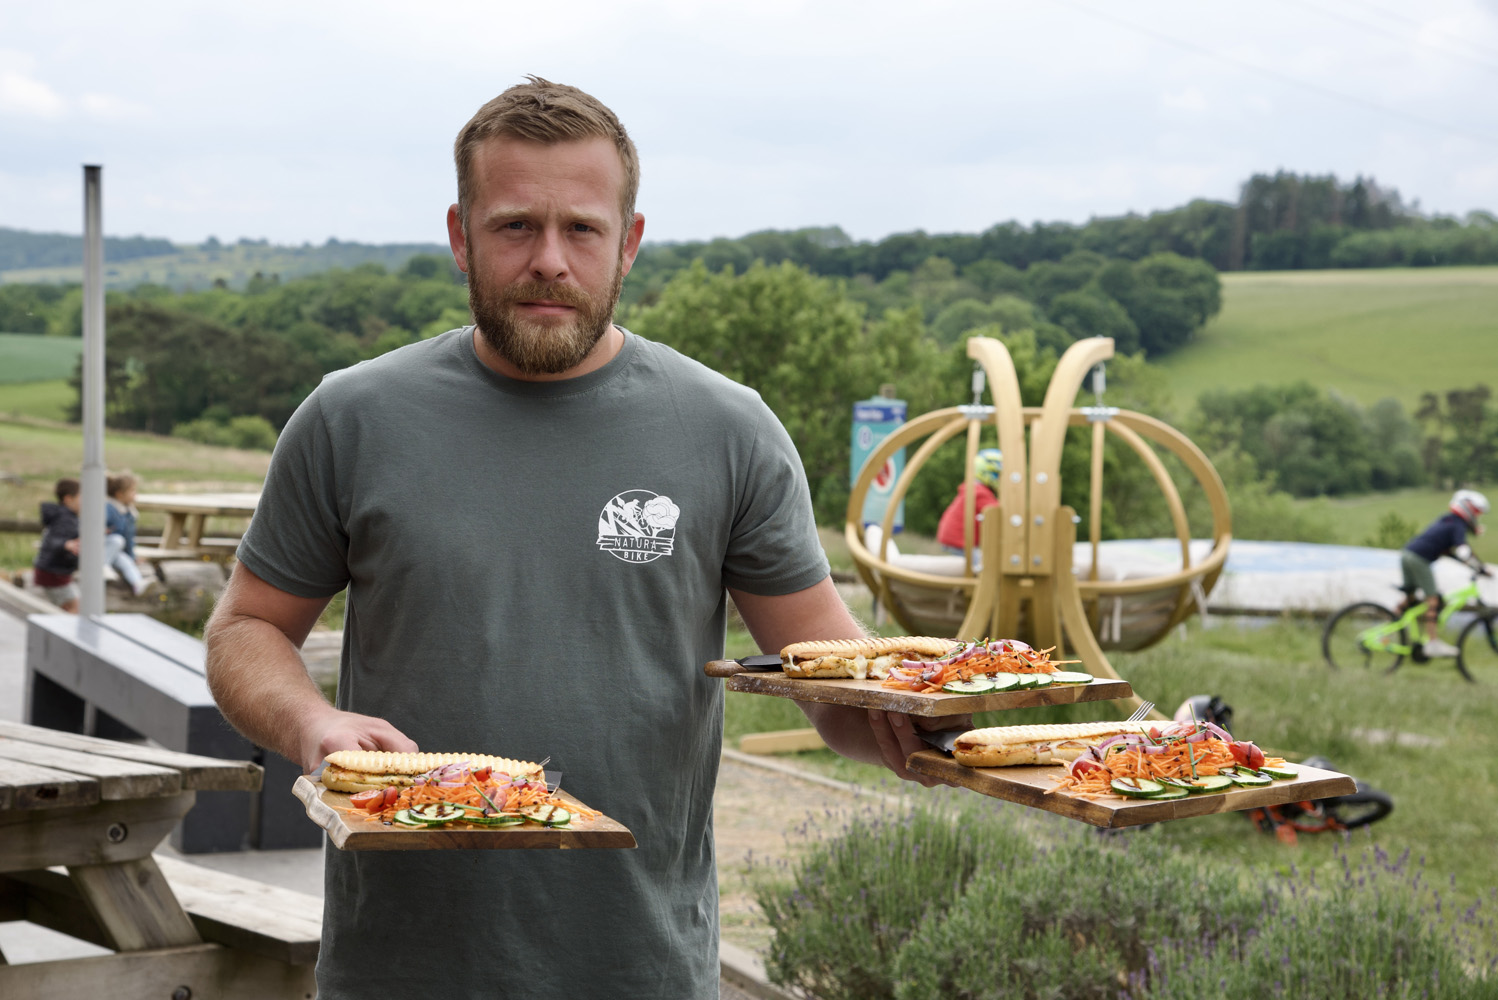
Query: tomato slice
[389, 796]
[482, 774]
[370, 801]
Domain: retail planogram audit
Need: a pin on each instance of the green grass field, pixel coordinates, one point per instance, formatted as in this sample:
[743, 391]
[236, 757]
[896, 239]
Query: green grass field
[32, 358]
[1355, 519]
[48, 400]
[1423, 735]
[1368, 335]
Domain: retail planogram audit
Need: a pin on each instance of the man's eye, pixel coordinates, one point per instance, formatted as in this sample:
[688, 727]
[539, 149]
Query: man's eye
[514, 225]
[581, 227]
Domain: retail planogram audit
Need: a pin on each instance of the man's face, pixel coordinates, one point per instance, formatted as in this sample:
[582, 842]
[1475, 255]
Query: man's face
[546, 250]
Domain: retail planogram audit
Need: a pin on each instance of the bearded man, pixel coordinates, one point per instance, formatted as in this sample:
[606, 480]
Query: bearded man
[472, 493]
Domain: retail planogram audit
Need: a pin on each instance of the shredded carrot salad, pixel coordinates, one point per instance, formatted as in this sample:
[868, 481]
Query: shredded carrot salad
[970, 659]
[1092, 774]
[509, 796]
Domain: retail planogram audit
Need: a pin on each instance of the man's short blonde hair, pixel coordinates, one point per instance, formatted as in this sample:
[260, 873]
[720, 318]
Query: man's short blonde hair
[545, 112]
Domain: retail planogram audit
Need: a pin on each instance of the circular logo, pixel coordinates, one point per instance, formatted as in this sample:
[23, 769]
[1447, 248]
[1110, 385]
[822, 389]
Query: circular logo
[638, 526]
[865, 437]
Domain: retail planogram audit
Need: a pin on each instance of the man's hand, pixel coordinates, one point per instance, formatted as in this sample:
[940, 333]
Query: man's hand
[896, 736]
[350, 731]
[72, 545]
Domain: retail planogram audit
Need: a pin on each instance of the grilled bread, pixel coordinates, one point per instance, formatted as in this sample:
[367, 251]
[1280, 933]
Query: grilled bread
[1004, 746]
[363, 770]
[859, 658]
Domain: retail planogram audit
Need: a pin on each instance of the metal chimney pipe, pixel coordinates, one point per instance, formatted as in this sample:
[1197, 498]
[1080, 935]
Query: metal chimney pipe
[91, 514]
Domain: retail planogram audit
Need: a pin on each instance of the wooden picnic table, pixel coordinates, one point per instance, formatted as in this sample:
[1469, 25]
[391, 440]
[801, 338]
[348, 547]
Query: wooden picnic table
[79, 820]
[184, 535]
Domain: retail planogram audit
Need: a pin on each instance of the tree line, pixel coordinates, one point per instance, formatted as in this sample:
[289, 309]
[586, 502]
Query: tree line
[229, 367]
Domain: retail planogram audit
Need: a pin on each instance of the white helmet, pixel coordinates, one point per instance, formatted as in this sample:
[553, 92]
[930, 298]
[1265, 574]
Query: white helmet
[1469, 505]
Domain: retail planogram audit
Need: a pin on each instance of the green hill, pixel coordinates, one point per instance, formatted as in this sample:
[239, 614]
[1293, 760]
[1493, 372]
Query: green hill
[1365, 334]
[28, 357]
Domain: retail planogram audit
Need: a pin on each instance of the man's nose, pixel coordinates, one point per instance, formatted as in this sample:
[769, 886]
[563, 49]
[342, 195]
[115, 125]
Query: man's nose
[549, 259]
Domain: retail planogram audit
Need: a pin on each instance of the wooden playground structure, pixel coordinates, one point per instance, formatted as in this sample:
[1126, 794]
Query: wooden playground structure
[1025, 577]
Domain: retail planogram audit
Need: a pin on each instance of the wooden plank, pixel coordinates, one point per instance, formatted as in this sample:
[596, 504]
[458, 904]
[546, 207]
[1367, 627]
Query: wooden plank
[201, 970]
[26, 786]
[784, 741]
[88, 835]
[368, 835]
[871, 694]
[1030, 786]
[117, 779]
[198, 772]
[245, 914]
[160, 638]
[134, 904]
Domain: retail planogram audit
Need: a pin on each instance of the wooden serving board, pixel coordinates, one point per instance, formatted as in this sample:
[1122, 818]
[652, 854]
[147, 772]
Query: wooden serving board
[1029, 786]
[350, 833]
[872, 694]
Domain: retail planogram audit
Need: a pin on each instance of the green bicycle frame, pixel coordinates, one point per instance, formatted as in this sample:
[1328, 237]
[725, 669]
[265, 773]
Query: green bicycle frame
[1384, 638]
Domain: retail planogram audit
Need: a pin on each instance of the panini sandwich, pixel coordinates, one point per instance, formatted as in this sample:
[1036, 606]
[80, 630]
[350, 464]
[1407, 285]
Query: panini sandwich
[1006, 746]
[365, 770]
[860, 658]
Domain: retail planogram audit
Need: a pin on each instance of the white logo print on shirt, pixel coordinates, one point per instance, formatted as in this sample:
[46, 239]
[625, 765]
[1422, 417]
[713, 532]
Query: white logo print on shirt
[638, 526]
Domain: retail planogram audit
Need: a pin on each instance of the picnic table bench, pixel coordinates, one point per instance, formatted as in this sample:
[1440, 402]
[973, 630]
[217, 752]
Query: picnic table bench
[80, 820]
[184, 535]
[127, 676]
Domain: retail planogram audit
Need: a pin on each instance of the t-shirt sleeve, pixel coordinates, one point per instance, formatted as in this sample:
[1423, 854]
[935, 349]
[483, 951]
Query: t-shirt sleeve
[297, 541]
[774, 548]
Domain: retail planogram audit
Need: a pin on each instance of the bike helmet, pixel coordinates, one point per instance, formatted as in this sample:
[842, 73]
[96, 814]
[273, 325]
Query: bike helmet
[989, 463]
[1206, 708]
[1469, 505]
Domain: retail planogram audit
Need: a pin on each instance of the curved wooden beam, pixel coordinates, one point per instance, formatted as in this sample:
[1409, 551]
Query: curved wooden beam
[1009, 421]
[1047, 437]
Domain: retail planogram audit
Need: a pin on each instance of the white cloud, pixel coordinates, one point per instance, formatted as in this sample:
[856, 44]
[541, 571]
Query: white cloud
[1190, 99]
[109, 107]
[23, 94]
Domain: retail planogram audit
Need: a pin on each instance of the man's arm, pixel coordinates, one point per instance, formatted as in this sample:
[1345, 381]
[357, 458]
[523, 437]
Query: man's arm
[261, 685]
[818, 612]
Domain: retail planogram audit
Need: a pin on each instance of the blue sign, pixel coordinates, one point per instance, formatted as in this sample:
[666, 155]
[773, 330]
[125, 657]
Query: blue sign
[873, 421]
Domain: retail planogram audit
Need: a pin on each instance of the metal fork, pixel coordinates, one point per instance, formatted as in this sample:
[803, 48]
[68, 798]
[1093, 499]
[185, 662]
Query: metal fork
[1144, 709]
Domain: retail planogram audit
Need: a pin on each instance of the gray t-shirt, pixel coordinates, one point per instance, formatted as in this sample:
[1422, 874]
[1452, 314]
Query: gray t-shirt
[537, 570]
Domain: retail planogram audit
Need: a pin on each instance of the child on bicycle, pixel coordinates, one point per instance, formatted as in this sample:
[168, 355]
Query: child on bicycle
[1445, 536]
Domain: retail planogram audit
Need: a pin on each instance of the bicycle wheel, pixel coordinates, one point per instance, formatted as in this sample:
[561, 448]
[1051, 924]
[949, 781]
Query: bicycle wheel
[1341, 640]
[1477, 651]
[1364, 806]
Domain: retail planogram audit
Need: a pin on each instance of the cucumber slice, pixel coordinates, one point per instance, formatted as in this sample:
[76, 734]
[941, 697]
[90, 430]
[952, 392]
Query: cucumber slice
[1171, 791]
[1137, 788]
[403, 818]
[1070, 677]
[1213, 783]
[436, 813]
[559, 817]
[1005, 682]
[1283, 771]
[541, 814]
[1042, 680]
[1027, 680]
[1176, 783]
[1250, 778]
[978, 685]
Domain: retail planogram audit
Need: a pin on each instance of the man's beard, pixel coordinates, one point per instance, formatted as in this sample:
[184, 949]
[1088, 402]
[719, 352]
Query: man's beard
[541, 348]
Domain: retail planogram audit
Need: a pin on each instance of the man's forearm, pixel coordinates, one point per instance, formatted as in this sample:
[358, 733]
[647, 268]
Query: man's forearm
[262, 686]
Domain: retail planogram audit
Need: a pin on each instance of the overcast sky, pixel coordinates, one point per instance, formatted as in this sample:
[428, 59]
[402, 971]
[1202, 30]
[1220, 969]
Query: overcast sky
[303, 121]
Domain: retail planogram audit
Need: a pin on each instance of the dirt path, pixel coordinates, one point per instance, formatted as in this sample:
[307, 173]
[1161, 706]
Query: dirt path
[760, 818]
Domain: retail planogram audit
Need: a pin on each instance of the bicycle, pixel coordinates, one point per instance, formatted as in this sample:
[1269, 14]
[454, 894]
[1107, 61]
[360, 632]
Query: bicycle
[1367, 634]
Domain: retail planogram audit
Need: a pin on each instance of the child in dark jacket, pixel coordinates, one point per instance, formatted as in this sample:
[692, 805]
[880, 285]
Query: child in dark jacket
[57, 559]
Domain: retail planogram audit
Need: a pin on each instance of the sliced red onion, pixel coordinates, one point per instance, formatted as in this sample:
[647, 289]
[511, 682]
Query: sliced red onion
[1196, 737]
[1218, 731]
[1155, 748]
[1102, 747]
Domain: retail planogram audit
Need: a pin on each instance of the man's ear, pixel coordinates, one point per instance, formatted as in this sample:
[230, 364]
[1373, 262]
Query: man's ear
[455, 238]
[632, 241]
